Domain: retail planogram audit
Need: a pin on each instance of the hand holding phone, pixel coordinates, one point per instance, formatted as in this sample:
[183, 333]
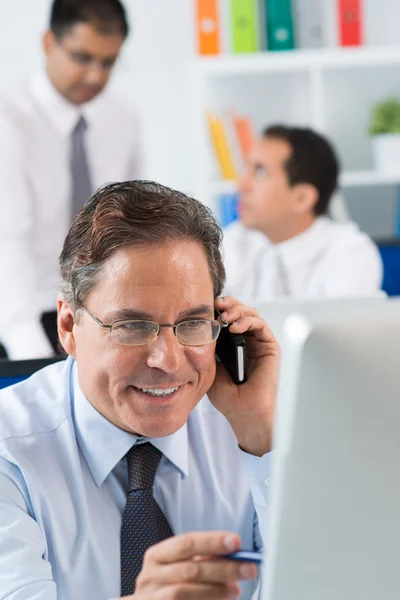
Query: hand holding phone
[250, 408]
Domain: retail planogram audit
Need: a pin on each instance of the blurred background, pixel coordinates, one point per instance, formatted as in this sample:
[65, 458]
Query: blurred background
[204, 78]
[153, 72]
[171, 86]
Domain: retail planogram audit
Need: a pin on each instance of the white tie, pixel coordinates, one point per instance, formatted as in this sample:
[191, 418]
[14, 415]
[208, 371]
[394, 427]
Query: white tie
[282, 283]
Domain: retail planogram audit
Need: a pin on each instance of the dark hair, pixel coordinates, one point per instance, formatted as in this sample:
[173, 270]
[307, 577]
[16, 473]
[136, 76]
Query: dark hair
[313, 160]
[134, 213]
[107, 16]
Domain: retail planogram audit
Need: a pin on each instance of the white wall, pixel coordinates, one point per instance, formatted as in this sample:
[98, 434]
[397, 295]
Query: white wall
[156, 74]
[153, 71]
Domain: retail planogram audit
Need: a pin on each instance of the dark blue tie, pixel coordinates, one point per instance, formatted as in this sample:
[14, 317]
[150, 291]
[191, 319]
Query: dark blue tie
[143, 522]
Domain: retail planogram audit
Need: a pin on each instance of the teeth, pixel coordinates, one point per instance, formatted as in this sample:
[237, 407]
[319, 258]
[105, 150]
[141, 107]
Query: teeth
[159, 392]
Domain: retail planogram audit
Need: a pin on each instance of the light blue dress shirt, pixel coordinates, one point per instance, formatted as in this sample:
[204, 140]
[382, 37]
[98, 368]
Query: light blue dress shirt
[63, 482]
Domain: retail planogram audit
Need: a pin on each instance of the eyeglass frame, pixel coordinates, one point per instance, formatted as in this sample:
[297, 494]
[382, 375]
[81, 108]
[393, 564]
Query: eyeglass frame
[159, 325]
[106, 65]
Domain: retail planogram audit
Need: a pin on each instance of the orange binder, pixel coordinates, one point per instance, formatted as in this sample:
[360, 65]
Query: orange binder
[244, 133]
[207, 27]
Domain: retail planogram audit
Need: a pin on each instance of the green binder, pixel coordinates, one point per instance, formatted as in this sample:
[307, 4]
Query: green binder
[279, 24]
[244, 25]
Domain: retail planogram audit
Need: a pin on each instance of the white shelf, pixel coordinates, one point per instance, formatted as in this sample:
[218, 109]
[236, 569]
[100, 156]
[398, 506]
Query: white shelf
[320, 96]
[294, 60]
[347, 180]
[368, 178]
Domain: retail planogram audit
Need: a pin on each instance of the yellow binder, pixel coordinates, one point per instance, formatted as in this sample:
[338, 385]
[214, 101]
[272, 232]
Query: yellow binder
[221, 147]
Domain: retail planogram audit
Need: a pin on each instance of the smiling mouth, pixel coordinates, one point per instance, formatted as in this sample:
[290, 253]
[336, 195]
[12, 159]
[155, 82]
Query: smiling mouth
[158, 392]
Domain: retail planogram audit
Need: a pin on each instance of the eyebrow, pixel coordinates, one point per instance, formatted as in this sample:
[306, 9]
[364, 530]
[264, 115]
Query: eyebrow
[89, 56]
[128, 314]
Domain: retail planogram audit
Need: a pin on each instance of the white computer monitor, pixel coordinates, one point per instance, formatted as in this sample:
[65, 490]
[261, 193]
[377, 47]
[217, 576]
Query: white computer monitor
[334, 530]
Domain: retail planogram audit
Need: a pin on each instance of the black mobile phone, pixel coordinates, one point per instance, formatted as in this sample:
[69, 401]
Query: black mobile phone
[231, 351]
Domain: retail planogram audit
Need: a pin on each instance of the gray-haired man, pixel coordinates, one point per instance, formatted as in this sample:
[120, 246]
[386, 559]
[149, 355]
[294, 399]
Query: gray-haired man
[138, 456]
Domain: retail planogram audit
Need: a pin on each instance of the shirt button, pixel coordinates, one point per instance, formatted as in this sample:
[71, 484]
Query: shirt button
[268, 481]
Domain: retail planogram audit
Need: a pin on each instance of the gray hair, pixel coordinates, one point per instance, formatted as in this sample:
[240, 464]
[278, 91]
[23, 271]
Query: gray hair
[134, 213]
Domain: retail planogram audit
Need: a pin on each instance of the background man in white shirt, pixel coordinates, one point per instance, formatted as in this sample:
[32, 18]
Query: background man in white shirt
[62, 136]
[139, 435]
[284, 244]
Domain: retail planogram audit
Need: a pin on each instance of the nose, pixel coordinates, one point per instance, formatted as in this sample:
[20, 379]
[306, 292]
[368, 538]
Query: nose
[166, 353]
[96, 75]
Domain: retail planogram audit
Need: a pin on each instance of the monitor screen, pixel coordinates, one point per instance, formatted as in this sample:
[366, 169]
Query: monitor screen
[14, 371]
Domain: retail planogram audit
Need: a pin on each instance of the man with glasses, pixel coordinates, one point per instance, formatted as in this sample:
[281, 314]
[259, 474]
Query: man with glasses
[63, 134]
[137, 464]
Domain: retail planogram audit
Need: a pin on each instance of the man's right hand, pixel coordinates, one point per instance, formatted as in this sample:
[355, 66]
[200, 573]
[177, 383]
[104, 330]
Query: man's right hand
[190, 566]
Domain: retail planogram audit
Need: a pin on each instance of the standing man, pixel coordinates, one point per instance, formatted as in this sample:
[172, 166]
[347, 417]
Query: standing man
[123, 465]
[62, 136]
[284, 244]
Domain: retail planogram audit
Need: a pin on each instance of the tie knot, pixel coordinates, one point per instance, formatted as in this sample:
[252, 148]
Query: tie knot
[81, 126]
[143, 461]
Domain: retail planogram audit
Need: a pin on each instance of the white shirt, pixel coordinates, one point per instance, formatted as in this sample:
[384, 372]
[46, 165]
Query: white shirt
[63, 488]
[329, 259]
[36, 123]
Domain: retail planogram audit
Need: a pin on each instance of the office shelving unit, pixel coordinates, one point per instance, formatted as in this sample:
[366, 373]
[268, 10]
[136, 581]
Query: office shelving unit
[330, 89]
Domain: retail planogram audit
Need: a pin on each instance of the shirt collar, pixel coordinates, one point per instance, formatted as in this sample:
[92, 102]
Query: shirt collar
[306, 245]
[103, 444]
[63, 114]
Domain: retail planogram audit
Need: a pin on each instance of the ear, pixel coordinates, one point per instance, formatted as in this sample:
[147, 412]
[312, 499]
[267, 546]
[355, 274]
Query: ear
[306, 197]
[49, 41]
[66, 324]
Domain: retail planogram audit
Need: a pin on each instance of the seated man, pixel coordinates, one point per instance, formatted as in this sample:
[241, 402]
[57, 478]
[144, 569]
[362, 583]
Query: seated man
[284, 244]
[139, 407]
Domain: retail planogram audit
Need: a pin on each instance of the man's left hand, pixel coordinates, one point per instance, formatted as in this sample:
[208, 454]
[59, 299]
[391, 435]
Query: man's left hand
[249, 407]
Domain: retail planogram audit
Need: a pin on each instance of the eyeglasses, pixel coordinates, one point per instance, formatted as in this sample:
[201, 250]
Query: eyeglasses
[139, 332]
[87, 60]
